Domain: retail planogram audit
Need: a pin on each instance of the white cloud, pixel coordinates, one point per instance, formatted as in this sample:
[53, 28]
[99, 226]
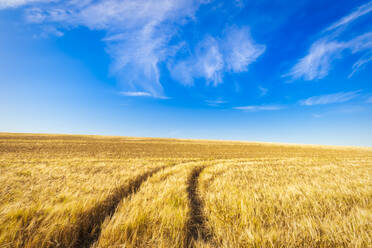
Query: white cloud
[183, 72]
[361, 11]
[361, 63]
[214, 56]
[361, 44]
[138, 35]
[17, 3]
[369, 100]
[240, 49]
[210, 61]
[50, 31]
[330, 98]
[317, 63]
[254, 108]
[138, 32]
[141, 94]
[135, 93]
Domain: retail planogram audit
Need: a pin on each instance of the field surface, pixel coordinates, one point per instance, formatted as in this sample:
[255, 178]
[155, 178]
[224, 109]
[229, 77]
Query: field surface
[97, 191]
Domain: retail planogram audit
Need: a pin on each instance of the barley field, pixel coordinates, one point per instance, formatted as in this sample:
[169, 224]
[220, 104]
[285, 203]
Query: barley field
[98, 191]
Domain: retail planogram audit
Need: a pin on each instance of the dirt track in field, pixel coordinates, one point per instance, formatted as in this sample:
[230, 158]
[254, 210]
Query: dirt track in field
[195, 227]
[88, 226]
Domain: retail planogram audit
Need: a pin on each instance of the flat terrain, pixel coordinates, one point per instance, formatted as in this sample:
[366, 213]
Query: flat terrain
[96, 191]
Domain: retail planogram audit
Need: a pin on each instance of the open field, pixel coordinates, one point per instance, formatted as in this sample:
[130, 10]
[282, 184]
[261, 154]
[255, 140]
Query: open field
[95, 191]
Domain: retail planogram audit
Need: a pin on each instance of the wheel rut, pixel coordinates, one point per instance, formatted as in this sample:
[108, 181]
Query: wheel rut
[88, 227]
[196, 228]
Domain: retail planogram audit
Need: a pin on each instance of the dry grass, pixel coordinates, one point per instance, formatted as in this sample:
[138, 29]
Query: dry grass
[93, 191]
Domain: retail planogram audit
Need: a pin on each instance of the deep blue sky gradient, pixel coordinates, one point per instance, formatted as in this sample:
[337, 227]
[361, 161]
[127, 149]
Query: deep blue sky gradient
[67, 83]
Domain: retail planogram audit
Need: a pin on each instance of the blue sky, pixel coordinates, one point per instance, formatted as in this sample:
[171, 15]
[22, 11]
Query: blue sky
[278, 71]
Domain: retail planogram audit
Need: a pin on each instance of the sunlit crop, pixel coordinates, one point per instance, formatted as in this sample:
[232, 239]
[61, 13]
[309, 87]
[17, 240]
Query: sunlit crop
[95, 191]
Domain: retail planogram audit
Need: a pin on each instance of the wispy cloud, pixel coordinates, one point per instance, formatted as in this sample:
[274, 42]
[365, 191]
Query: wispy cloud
[317, 63]
[240, 49]
[339, 97]
[233, 52]
[361, 63]
[360, 11]
[18, 3]
[135, 93]
[254, 108]
[215, 103]
[141, 94]
[48, 31]
[369, 100]
[142, 34]
[263, 91]
[138, 32]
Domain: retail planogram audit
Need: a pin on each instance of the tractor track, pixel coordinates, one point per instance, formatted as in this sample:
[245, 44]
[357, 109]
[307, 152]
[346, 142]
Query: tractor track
[88, 227]
[196, 228]
[86, 230]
